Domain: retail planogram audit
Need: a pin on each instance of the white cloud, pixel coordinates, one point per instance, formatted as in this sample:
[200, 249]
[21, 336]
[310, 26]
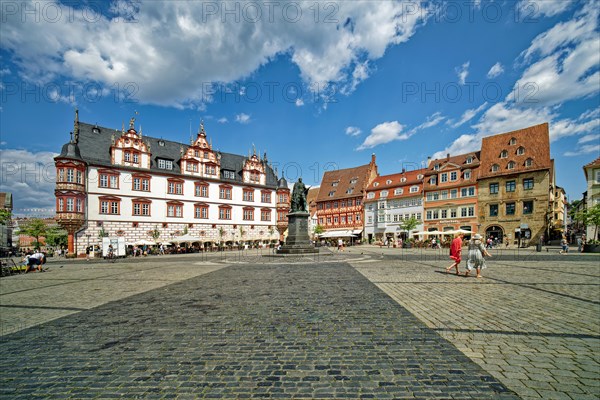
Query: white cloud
[4, 71]
[585, 149]
[222, 120]
[467, 116]
[463, 72]
[30, 177]
[353, 131]
[242, 118]
[496, 70]
[384, 133]
[594, 137]
[532, 9]
[432, 120]
[208, 48]
[299, 102]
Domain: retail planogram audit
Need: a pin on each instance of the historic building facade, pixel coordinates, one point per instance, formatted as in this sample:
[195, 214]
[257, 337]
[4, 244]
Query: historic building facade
[516, 186]
[121, 183]
[450, 193]
[592, 176]
[389, 201]
[340, 200]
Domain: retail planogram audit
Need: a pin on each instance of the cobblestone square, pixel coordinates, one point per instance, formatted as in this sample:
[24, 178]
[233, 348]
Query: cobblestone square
[366, 323]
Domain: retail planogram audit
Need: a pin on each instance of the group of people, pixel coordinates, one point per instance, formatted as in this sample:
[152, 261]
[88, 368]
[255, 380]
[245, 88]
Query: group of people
[475, 257]
[35, 261]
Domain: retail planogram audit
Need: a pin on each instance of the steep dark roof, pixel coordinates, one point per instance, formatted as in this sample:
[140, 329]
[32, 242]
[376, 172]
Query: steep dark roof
[94, 148]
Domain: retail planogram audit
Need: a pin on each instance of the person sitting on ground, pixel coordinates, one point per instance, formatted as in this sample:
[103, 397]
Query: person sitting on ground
[35, 261]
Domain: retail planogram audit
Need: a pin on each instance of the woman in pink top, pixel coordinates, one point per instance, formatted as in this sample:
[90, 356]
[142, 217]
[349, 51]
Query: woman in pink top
[456, 252]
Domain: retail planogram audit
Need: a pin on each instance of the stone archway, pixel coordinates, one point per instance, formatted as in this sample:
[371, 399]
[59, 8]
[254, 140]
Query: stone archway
[496, 232]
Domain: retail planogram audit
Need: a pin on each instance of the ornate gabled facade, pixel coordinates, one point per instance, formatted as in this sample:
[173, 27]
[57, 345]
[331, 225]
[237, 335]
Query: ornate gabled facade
[130, 185]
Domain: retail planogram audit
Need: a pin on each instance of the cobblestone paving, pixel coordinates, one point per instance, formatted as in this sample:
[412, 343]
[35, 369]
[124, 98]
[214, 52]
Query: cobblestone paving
[534, 325]
[262, 331]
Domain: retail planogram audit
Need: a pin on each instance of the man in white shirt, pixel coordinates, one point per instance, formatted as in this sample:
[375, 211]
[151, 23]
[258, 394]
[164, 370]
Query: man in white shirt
[35, 261]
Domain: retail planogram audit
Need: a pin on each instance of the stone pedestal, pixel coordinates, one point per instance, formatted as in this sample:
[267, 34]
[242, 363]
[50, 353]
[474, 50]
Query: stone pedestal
[298, 241]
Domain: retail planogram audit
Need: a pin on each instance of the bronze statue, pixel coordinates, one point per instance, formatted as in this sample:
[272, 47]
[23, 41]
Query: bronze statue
[299, 197]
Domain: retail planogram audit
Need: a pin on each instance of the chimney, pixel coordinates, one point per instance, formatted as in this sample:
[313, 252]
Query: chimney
[373, 158]
[448, 157]
[428, 161]
[403, 170]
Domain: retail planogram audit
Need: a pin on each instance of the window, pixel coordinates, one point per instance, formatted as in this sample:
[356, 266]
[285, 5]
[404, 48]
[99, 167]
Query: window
[472, 191]
[174, 186]
[225, 213]
[598, 176]
[358, 202]
[201, 211]
[109, 205]
[433, 180]
[331, 194]
[248, 214]
[444, 195]
[443, 177]
[141, 208]
[495, 168]
[512, 141]
[521, 151]
[191, 166]
[528, 162]
[469, 160]
[463, 211]
[79, 177]
[471, 211]
[165, 164]
[428, 214]
[453, 213]
[370, 219]
[375, 184]
[383, 193]
[528, 184]
[228, 174]
[265, 197]
[225, 192]
[436, 214]
[510, 208]
[79, 205]
[414, 189]
[453, 193]
[70, 204]
[141, 183]
[353, 181]
[493, 210]
[453, 176]
[265, 214]
[210, 169]
[436, 196]
[200, 189]
[510, 186]
[494, 188]
[175, 210]
[61, 204]
[398, 191]
[528, 207]
[334, 184]
[108, 180]
[248, 195]
[349, 191]
[70, 175]
[511, 165]
[503, 154]
[467, 174]
[444, 214]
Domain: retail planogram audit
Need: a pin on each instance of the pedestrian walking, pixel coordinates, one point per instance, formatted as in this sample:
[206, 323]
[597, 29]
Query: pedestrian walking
[456, 252]
[87, 253]
[476, 255]
[340, 245]
[565, 245]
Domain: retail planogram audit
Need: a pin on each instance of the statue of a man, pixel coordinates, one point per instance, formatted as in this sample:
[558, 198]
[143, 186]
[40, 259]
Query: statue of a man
[299, 197]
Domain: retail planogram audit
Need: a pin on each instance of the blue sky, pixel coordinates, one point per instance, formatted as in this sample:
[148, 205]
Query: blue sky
[317, 85]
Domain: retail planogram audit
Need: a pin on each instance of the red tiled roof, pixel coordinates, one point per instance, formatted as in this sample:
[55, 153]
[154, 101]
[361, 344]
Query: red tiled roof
[411, 178]
[535, 140]
[340, 181]
[595, 163]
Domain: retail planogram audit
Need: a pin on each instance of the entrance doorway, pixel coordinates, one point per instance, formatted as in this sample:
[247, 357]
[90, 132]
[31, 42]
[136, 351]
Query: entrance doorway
[496, 233]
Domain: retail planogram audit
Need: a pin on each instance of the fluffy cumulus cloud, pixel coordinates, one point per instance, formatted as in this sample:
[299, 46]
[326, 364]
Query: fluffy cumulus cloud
[561, 65]
[138, 43]
[549, 8]
[353, 131]
[467, 116]
[384, 133]
[242, 118]
[30, 177]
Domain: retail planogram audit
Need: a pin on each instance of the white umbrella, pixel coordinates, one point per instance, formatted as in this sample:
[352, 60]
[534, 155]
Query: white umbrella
[167, 244]
[144, 242]
[187, 238]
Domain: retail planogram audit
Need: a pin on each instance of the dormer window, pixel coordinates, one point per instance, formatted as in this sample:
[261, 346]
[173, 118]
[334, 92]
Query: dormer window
[403, 179]
[469, 160]
[353, 181]
[375, 184]
[436, 167]
[511, 165]
[331, 193]
[433, 180]
[95, 129]
[349, 191]
[161, 143]
[228, 174]
[503, 154]
[528, 162]
[334, 184]
[420, 176]
[165, 164]
[521, 151]
[512, 141]
[495, 168]
[388, 181]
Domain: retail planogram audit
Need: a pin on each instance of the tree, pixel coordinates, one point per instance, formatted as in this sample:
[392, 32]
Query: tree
[318, 230]
[36, 228]
[590, 217]
[409, 224]
[102, 233]
[155, 233]
[56, 237]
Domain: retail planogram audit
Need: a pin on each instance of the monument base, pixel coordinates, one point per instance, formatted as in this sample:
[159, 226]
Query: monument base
[297, 241]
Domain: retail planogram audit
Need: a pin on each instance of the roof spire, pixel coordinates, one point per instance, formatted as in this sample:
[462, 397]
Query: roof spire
[75, 138]
[123, 127]
[140, 132]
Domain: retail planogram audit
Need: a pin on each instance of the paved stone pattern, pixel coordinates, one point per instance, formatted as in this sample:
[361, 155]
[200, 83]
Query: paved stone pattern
[534, 325]
[261, 331]
[69, 287]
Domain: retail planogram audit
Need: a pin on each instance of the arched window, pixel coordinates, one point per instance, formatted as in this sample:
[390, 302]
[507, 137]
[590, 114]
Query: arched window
[495, 168]
[528, 162]
[521, 151]
[503, 154]
[511, 165]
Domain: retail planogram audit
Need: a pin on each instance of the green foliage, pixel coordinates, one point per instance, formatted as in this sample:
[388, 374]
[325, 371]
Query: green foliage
[319, 229]
[409, 224]
[5, 216]
[242, 232]
[36, 228]
[102, 233]
[185, 230]
[155, 233]
[56, 237]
